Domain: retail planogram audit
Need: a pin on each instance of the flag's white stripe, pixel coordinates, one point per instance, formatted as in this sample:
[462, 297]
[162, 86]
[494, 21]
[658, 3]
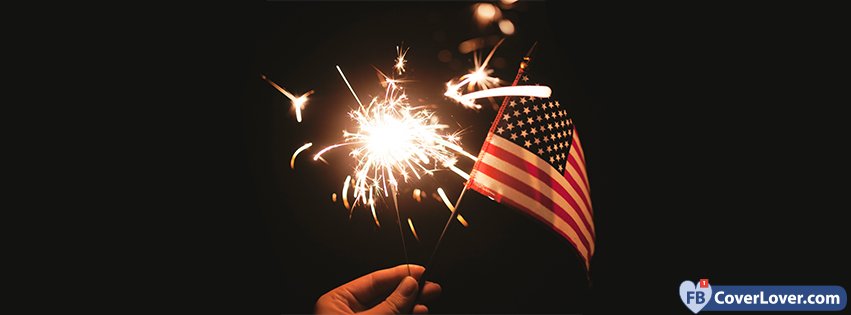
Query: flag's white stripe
[533, 159]
[545, 189]
[534, 206]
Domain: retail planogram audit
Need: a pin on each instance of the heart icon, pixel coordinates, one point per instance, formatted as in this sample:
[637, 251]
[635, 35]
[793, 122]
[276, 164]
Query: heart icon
[695, 298]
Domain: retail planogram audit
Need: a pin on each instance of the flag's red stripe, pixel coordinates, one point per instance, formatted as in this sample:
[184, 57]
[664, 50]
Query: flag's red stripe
[579, 192]
[544, 177]
[535, 194]
[507, 200]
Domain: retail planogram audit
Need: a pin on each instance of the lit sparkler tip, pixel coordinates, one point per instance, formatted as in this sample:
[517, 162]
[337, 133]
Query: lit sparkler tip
[394, 142]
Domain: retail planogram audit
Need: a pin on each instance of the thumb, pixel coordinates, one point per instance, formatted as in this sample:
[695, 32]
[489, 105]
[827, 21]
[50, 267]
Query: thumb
[400, 301]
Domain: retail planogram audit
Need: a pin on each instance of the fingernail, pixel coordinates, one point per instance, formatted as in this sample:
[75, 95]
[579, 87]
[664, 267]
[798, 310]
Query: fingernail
[409, 286]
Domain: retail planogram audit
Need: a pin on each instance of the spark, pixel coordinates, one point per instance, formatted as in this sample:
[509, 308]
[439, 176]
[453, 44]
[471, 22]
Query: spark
[334, 197]
[486, 13]
[349, 85]
[506, 27]
[372, 206]
[451, 208]
[346, 192]
[458, 171]
[394, 143]
[298, 102]
[413, 230]
[297, 151]
[400, 60]
[416, 194]
[478, 77]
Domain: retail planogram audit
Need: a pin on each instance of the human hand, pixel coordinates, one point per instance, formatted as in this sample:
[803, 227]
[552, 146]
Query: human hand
[388, 291]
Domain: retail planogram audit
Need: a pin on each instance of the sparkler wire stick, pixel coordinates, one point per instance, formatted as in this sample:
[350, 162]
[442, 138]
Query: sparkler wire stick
[399, 223]
[523, 65]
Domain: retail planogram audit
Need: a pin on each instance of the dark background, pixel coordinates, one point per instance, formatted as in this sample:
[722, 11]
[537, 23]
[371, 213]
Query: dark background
[714, 147]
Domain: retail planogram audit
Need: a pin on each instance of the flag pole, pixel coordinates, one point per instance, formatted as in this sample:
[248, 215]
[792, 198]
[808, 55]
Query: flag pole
[455, 212]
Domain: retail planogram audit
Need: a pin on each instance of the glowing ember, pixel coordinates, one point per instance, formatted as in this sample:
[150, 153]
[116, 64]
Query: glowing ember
[297, 151]
[298, 102]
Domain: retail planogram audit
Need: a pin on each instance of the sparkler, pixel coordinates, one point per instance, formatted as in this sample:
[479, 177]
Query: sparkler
[480, 76]
[393, 142]
[298, 102]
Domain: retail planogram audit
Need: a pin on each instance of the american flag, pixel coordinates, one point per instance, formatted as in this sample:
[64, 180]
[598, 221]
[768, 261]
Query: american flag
[532, 160]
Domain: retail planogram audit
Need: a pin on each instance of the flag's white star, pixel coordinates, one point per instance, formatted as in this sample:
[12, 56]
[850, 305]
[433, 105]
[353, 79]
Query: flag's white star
[522, 100]
[505, 117]
[500, 130]
[523, 133]
[525, 78]
[513, 136]
[526, 110]
[510, 126]
[527, 144]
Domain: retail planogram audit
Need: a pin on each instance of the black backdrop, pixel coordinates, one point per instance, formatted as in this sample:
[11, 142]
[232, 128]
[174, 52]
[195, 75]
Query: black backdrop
[713, 148]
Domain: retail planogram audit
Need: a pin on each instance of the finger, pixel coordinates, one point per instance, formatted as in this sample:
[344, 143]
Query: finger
[400, 301]
[386, 280]
[420, 309]
[431, 291]
[380, 283]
